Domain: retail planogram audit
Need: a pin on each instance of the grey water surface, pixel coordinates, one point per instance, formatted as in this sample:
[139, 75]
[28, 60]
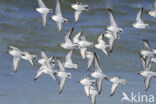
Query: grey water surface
[21, 26]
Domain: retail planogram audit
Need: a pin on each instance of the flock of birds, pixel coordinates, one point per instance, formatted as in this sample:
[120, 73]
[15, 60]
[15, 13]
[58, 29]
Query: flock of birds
[93, 83]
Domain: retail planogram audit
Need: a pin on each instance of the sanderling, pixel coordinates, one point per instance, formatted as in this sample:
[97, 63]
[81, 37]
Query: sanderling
[102, 45]
[16, 53]
[98, 74]
[47, 70]
[68, 41]
[87, 82]
[45, 61]
[44, 11]
[62, 74]
[153, 11]
[148, 74]
[116, 81]
[139, 23]
[58, 18]
[79, 8]
[113, 25]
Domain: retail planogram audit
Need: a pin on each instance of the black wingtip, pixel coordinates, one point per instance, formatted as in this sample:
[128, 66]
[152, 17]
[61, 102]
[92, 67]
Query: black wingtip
[111, 95]
[60, 92]
[142, 9]
[145, 40]
[42, 50]
[109, 9]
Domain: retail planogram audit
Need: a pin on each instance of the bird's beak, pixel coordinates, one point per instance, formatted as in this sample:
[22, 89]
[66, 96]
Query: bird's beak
[138, 73]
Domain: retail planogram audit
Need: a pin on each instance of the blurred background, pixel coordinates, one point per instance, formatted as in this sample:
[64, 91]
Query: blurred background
[21, 26]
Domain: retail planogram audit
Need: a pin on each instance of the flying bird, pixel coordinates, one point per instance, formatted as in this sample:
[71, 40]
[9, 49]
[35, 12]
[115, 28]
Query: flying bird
[43, 10]
[139, 23]
[116, 82]
[79, 8]
[58, 18]
[102, 45]
[16, 53]
[153, 11]
[62, 74]
[113, 25]
[98, 74]
[68, 44]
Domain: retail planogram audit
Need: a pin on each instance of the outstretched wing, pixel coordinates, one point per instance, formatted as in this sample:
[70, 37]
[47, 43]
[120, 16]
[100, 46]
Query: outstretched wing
[139, 14]
[61, 84]
[68, 36]
[39, 72]
[44, 19]
[68, 57]
[147, 81]
[76, 37]
[113, 89]
[146, 44]
[43, 54]
[41, 4]
[77, 15]
[96, 63]
[16, 61]
[58, 8]
[60, 65]
[112, 19]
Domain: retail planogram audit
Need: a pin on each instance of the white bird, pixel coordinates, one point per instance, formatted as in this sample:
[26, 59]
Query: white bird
[113, 25]
[148, 74]
[92, 93]
[29, 57]
[90, 56]
[44, 11]
[98, 74]
[68, 63]
[102, 45]
[153, 11]
[68, 41]
[58, 18]
[45, 61]
[62, 74]
[83, 45]
[87, 82]
[116, 82]
[47, 70]
[16, 53]
[79, 8]
[147, 51]
[139, 23]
